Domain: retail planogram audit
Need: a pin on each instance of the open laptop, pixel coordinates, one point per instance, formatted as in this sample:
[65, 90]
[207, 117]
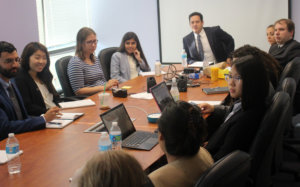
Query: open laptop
[161, 95]
[130, 137]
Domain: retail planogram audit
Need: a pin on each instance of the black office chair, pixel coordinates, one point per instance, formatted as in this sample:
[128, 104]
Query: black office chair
[292, 69]
[269, 133]
[290, 143]
[105, 59]
[231, 170]
[61, 67]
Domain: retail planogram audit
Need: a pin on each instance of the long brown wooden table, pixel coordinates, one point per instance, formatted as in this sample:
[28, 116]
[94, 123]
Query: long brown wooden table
[51, 156]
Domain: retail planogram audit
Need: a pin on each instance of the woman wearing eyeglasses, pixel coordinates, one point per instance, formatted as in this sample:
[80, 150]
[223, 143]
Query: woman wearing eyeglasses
[129, 60]
[84, 69]
[248, 86]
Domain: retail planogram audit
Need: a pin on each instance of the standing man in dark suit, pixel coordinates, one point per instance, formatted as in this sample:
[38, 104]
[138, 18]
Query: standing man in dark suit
[286, 48]
[209, 43]
[13, 116]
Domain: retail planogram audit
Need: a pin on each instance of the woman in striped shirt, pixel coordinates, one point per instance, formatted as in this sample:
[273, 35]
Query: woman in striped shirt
[84, 69]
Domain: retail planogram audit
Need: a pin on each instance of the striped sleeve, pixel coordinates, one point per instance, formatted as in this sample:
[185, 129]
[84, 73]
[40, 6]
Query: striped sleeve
[75, 73]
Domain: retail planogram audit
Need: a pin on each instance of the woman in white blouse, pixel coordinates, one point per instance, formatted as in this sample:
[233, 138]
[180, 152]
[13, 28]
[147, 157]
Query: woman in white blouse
[35, 80]
[129, 59]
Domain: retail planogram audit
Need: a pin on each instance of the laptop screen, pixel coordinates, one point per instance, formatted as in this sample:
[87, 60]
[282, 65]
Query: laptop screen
[120, 115]
[161, 95]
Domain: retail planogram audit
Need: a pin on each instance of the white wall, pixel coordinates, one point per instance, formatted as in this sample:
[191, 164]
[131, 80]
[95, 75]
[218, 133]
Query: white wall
[111, 19]
[296, 18]
[18, 22]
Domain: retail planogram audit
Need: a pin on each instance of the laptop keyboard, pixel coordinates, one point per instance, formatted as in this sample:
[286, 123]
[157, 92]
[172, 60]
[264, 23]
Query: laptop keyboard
[138, 138]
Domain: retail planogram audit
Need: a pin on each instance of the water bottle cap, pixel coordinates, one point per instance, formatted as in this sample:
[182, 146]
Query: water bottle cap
[104, 134]
[11, 135]
[174, 79]
[114, 123]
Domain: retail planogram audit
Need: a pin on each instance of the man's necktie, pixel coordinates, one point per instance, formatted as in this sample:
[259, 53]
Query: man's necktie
[200, 47]
[15, 102]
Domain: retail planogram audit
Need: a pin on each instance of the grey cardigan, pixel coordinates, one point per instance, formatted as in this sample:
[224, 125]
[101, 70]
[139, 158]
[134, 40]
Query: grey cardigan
[120, 69]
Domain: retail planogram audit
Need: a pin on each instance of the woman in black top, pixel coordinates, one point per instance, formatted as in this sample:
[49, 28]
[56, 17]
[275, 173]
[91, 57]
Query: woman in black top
[248, 84]
[35, 80]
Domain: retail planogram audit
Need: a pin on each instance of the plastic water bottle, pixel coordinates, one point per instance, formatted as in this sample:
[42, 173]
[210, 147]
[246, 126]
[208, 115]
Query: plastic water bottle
[205, 63]
[104, 142]
[184, 58]
[115, 136]
[12, 148]
[174, 90]
[157, 68]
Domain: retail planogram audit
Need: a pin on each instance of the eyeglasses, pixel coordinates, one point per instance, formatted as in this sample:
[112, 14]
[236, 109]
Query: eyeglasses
[229, 77]
[12, 60]
[91, 42]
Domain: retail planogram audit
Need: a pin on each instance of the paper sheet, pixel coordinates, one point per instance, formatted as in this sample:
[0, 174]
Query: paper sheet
[152, 73]
[201, 102]
[75, 104]
[3, 157]
[143, 95]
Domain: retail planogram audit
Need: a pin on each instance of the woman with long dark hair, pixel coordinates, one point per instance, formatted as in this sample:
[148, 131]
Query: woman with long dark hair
[129, 60]
[35, 80]
[249, 86]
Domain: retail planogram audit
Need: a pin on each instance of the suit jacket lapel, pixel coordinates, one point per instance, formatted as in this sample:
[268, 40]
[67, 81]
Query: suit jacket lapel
[210, 39]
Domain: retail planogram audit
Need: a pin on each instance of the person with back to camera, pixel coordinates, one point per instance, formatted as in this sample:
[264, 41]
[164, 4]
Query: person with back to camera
[111, 169]
[35, 80]
[84, 69]
[181, 132]
[270, 34]
[127, 62]
[249, 85]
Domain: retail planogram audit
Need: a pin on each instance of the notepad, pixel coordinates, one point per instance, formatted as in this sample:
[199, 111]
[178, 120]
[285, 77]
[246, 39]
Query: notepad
[64, 120]
[3, 157]
[75, 104]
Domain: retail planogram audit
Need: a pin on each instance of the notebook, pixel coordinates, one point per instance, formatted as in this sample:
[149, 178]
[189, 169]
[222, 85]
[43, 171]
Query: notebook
[64, 120]
[130, 137]
[161, 95]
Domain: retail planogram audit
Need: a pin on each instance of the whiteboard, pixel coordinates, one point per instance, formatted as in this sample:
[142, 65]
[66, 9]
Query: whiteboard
[244, 20]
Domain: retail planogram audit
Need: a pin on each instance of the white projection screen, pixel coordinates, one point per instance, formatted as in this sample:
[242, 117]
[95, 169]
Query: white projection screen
[244, 20]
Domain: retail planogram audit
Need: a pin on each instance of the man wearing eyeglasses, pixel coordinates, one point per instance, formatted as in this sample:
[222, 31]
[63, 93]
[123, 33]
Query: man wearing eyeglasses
[13, 116]
[286, 48]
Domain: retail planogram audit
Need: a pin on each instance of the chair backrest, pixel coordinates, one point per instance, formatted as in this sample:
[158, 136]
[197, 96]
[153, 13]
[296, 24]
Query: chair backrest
[105, 58]
[61, 67]
[231, 170]
[269, 133]
[288, 85]
[292, 69]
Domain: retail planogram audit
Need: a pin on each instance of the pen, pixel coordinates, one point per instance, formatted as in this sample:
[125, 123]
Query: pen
[54, 123]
